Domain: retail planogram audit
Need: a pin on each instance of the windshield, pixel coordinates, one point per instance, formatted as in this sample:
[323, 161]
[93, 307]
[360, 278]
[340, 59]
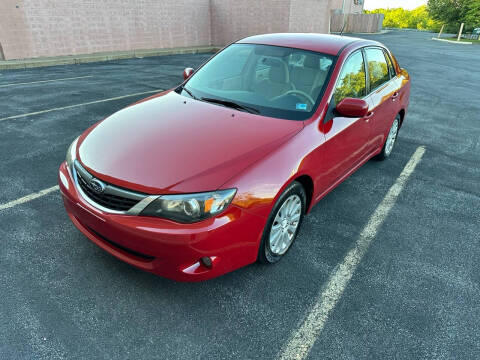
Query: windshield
[269, 80]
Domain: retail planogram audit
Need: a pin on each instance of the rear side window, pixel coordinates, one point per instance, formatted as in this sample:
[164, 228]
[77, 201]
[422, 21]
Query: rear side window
[377, 67]
[393, 73]
[351, 82]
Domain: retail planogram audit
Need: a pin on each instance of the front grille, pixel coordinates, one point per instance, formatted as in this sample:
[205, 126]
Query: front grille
[111, 198]
[109, 201]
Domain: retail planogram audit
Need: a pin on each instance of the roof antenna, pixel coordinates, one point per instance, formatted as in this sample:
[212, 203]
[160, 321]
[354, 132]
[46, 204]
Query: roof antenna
[344, 25]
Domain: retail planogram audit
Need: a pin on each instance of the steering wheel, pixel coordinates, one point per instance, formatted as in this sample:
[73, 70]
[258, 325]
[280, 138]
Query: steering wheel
[297, 92]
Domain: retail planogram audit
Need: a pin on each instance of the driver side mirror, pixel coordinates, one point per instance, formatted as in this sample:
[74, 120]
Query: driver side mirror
[351, 107]
[187, 73]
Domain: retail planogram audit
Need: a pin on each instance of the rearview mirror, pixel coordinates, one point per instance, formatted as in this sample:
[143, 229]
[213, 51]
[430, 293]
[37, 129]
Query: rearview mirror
[187, 73]
[352, 107]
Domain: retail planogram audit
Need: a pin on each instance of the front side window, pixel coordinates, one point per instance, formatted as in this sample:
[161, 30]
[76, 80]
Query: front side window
[377, 67]
[273, 81]
[352, 81]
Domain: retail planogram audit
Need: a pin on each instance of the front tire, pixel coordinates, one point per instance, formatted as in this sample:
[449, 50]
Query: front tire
[283, 224]
[390, 140]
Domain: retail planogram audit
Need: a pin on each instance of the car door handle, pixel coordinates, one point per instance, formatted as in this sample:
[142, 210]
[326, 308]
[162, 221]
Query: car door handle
[395, 95]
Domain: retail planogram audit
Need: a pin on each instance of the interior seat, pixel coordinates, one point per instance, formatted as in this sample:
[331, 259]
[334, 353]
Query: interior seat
[278, 80]
[308, 78]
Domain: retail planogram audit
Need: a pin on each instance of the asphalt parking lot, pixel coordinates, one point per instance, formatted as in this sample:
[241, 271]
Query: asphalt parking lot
[414, 294]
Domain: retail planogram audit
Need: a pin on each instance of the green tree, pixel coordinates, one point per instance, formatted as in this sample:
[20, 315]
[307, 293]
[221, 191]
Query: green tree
[418, 18]
[472, 16]
[449, 12]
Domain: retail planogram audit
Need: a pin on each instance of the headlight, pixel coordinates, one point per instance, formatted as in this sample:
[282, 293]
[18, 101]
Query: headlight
[191, 207]
[71, 153]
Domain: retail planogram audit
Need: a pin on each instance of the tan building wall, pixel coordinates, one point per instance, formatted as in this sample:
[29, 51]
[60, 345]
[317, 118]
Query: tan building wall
[64, 27]
[235, 19]
[351, 6]
[40, 28]
[310, 16]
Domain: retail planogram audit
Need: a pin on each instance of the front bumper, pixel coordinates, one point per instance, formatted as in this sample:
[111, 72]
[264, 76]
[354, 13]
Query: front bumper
[164, 247]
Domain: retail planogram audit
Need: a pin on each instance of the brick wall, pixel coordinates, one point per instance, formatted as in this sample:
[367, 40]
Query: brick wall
[309, 16]
[64, 27]
[235, 19]
[14, 33]
[40, 28]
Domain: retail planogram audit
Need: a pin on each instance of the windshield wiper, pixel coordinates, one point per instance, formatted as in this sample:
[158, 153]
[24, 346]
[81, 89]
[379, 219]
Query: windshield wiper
[231, 104]
[189, 93]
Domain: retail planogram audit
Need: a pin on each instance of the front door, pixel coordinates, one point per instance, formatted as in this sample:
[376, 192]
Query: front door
[347, 140]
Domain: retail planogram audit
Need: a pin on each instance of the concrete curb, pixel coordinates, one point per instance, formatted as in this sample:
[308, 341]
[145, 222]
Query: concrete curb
[373, 33]
[453, 41]
[105, 56]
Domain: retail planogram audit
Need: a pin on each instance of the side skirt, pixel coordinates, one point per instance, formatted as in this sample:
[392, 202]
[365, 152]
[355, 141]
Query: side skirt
[342, 179]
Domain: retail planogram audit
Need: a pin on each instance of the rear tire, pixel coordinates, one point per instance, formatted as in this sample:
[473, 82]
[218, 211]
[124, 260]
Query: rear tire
[389, 140]
[283, 224]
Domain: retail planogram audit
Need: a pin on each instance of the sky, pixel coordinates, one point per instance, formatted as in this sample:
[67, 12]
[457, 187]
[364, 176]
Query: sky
[406, 4]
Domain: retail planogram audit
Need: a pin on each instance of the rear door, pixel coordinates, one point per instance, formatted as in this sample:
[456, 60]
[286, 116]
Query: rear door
[384, 87]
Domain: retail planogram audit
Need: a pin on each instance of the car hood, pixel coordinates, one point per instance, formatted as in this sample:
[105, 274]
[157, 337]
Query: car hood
[171, 144]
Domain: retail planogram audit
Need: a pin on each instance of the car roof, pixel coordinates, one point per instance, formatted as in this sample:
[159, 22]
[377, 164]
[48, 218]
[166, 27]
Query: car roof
[324, 43]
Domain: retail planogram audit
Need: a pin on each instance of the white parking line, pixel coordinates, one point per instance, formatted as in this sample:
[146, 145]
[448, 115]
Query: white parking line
[303, 339]
[28, 198]
[77, 105]
[46, 81]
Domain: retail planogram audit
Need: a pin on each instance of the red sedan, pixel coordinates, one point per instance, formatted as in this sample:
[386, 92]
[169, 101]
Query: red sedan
[219, 172]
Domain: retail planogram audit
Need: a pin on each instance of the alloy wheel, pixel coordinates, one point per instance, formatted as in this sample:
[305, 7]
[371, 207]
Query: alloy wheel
[285, 225]
[392, 136]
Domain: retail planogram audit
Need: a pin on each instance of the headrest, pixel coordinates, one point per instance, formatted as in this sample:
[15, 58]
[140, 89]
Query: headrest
[278, 70]
[311, 61]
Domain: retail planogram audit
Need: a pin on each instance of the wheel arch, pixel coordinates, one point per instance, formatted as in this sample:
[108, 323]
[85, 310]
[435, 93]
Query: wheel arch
[307, 182]
[402, 116]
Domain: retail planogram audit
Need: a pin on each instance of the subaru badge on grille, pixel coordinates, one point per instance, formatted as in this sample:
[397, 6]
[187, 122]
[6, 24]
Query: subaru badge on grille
[97, 186]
